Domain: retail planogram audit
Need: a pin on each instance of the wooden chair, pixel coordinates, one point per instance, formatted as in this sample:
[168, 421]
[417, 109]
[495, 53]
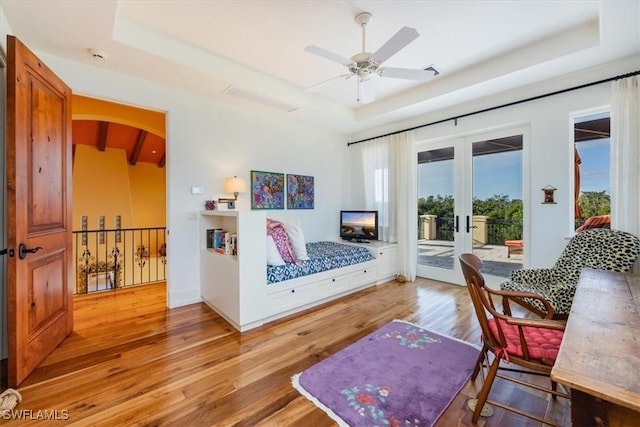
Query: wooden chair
[531, 344]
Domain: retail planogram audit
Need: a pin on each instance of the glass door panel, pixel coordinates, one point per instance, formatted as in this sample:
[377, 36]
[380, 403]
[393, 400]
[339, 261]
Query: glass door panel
[497, 204]
[470, 199]
[436, 213]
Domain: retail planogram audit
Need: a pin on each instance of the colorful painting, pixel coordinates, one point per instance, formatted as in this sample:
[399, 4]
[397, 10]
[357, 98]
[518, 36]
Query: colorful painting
[267, 190]
[299, 192]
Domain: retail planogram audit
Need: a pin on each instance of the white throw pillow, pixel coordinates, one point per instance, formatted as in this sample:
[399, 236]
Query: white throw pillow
[296, 239]
[273, 256]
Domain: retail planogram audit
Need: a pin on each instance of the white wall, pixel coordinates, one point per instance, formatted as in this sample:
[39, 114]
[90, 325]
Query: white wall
[208, 141]
[550, 156]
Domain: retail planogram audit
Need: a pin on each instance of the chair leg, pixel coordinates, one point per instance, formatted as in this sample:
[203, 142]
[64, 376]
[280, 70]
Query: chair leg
[479, 362]
[486, 388]
[554, 387]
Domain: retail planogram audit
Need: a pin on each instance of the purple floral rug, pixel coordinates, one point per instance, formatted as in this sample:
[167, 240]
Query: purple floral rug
[399, 375]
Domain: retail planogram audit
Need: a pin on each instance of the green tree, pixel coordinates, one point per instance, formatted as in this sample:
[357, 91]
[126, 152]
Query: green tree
[499, 206]
[594, 203]
[436, 205]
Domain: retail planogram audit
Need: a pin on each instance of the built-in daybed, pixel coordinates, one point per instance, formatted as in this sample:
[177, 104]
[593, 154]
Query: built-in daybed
[248, 293]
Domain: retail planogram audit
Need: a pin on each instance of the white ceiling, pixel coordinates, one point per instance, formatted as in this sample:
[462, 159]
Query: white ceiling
[479, 47]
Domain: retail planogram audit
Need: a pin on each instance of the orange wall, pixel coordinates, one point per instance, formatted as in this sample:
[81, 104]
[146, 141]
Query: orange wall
[148, 195]
[101, 187]
[105, 184]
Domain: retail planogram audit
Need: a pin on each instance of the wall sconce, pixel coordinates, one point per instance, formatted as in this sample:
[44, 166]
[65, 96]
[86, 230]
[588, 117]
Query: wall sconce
[548, 194]
[233, 185]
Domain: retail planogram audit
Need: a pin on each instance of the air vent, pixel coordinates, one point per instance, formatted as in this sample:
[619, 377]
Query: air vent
[259, 99]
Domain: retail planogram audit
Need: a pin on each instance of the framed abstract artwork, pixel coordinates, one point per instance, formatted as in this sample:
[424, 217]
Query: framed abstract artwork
[267, 190]
[299, 192]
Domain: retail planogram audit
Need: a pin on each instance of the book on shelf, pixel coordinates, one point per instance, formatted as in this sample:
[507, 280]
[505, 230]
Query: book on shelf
[217, 237]
[233, 243]
[222, 241]
[210, 239]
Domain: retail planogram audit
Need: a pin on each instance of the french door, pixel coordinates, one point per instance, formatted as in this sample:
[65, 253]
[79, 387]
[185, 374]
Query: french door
[470, 199]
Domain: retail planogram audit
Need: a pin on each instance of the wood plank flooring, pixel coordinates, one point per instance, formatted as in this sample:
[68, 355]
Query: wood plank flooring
[130, 361]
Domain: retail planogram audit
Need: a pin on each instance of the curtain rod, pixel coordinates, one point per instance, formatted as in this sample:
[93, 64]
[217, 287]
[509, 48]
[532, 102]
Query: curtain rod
[509, 104]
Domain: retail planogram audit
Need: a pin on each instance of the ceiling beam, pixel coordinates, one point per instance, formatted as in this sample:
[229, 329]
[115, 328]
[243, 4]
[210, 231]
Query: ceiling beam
[142, 135]
[103, 129]
[162, 161]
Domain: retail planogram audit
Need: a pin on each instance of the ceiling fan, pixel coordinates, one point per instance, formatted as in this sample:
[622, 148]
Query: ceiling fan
[364, 64]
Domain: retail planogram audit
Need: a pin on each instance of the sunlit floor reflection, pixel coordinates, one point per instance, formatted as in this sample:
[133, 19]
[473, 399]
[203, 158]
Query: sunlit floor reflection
[440, 253]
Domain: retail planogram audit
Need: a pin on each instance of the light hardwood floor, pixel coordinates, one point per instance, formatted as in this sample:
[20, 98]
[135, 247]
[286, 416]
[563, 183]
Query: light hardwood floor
[131, 361]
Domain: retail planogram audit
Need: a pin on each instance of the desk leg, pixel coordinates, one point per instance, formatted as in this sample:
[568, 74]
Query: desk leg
[587, 410]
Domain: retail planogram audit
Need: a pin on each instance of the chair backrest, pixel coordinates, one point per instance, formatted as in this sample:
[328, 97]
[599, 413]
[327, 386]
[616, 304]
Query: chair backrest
[482, 302]
[597, 221]
[598, 248]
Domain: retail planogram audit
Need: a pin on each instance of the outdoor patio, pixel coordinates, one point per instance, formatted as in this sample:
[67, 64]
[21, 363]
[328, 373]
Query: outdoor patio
[439, 253]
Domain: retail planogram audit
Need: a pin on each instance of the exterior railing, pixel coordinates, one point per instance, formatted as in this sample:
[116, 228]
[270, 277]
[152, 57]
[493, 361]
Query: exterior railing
[499, 230]
[444, 229]
[118, 258]
[486, 230]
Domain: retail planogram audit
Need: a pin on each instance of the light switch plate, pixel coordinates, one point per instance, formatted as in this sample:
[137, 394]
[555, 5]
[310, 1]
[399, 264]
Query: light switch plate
[197, 190]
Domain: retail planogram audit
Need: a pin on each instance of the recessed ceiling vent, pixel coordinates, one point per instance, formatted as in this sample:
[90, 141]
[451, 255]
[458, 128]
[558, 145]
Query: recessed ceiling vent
[259, 99]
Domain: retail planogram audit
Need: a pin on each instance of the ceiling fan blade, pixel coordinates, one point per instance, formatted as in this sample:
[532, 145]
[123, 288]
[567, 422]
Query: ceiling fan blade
[328, 55]
[365, 91]
[402, 38]
[324, 82]
[409, 74]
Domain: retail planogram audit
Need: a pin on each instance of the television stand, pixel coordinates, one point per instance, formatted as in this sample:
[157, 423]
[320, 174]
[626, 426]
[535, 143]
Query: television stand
[356, 240]
[386, 254]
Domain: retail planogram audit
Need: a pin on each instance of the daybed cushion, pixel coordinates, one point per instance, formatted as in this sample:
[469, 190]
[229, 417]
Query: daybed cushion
[273, 256]
[322, 256]
[296, 239]
[276, 230]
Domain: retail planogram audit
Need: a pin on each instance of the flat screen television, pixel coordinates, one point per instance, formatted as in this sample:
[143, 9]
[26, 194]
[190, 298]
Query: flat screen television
[360, 226]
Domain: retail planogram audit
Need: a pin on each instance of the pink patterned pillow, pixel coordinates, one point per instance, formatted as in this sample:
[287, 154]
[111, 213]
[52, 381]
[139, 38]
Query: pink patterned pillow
[276, 230]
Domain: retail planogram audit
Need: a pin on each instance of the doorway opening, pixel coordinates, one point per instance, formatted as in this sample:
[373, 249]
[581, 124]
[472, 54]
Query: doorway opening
[119, 196]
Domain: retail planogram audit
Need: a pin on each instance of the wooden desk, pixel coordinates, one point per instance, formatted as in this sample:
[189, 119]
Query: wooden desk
[599, 357]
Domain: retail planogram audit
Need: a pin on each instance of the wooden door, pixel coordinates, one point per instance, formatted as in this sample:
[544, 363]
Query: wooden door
[40, 305]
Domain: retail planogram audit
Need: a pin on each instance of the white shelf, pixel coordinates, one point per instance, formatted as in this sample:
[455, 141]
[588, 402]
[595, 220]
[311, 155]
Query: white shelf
[219, 213]
[386, 254]
[232, 284]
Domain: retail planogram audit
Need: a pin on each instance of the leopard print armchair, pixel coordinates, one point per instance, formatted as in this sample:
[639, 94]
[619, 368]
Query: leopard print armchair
[602, 249]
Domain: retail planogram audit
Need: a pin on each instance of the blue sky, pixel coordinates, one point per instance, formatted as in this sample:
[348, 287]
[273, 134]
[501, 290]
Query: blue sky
[501, 173]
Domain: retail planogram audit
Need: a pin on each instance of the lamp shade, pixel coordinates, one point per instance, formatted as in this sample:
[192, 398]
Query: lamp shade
[235, 185]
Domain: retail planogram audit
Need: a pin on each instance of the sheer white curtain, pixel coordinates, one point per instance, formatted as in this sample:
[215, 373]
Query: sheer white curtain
[390, 187]
[403, 183]
[625, 156]
[375, 167]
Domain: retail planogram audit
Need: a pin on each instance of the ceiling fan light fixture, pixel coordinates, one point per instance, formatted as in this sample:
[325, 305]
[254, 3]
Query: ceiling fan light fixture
[364, 64]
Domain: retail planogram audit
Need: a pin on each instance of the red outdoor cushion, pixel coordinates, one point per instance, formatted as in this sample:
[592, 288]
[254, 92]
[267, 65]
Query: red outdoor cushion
[542, 343]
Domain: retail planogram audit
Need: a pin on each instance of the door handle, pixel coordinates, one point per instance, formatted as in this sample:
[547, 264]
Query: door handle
[9, 252]
[469, 227]
[23, 250]
[457, 223]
